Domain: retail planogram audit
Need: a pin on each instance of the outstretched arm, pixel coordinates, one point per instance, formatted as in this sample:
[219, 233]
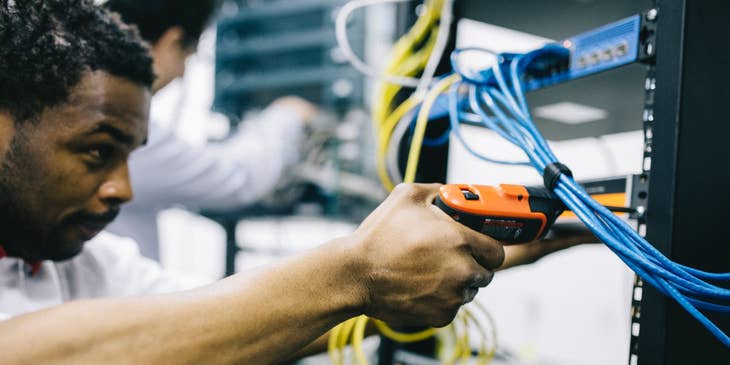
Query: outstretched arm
[408, 263]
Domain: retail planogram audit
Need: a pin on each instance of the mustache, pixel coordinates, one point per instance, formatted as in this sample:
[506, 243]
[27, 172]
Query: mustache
[94, 218]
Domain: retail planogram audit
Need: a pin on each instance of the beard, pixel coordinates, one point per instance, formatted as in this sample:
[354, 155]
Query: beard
[22, 234]
[17, 229]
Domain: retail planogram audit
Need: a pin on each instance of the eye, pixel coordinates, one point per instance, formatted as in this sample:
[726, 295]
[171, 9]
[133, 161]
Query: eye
[100, 153]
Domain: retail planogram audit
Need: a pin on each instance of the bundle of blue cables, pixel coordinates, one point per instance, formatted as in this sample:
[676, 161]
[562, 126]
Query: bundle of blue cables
[496, 97]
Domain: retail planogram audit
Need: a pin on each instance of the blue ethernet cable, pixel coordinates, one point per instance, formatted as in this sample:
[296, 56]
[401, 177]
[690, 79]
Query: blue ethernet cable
[454, 116]
[471, 79]
[684, 284]
[595, 206]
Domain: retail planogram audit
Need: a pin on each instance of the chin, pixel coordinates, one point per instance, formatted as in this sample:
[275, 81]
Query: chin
[62, 250]
[65, 254]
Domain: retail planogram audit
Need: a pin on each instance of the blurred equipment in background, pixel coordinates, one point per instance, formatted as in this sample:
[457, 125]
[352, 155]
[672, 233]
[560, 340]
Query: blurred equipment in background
[271, 48]
[268, 49]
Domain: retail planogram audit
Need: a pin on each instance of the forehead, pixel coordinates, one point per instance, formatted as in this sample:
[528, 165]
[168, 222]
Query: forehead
[102, 98]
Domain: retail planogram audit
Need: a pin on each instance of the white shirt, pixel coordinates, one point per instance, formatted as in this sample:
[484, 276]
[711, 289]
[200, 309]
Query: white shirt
[217, 176]
[108, 267]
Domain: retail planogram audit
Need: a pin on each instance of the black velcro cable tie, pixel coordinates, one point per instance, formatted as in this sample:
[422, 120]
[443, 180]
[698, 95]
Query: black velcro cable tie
[552, 173]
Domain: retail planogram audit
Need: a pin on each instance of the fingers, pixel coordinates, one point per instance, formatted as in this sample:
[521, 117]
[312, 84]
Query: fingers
[487, 252]
[476, 277]
[482, 279]
[470, 294]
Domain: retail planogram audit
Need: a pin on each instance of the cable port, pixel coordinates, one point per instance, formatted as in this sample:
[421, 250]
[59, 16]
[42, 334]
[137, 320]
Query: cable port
[594, 58]
[621, 50]
[582, 62]
[606, 54]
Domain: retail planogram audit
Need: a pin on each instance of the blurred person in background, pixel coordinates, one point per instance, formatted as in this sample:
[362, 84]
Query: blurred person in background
[216, 176]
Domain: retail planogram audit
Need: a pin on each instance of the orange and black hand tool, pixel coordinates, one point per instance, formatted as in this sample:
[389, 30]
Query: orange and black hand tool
[511, 214]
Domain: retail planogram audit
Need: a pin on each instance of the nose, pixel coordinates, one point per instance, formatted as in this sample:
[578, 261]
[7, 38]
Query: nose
[117, 189]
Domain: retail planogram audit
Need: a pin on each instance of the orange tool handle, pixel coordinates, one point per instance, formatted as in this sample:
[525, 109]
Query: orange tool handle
[511, 214]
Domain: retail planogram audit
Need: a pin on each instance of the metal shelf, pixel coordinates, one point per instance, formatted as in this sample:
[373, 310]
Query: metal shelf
[278, 43]
[288, 78]
[283, 47]
[277, 9]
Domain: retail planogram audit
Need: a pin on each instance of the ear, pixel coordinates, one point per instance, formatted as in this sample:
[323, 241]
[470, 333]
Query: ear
[169, 57]
[170, 40]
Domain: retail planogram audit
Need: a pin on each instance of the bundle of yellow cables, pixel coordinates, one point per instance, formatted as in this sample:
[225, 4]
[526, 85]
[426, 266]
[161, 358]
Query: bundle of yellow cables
[453, 343]
[411, 54]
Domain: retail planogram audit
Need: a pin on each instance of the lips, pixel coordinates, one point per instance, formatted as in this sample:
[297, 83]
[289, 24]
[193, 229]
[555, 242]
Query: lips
[90, 224]
[91, 229]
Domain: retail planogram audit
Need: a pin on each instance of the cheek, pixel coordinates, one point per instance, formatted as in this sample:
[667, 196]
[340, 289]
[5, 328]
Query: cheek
[64, 183]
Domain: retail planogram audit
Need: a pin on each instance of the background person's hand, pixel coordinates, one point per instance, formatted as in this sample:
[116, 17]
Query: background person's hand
[421, 265]
[303, 108]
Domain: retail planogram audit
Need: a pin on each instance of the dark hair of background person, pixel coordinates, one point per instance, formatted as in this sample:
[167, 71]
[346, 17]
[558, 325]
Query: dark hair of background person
[154, 17]
[47, 45]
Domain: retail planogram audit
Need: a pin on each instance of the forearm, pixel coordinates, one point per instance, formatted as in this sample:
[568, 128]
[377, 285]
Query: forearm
[262, 317]
[315, 347]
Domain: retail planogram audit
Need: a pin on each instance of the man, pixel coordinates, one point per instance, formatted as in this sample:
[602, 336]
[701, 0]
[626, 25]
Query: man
[168, 170]
[73, 106]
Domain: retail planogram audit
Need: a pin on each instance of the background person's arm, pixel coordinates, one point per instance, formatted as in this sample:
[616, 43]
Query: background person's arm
[221, 175]
[525, 254]
[408, 263]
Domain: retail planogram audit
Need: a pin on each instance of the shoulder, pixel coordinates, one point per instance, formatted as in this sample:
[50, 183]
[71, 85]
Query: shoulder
[112, 266]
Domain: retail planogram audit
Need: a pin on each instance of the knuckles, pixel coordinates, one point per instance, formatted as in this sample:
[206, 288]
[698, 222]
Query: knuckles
[403, 190]
[413, 192]
[499, 257]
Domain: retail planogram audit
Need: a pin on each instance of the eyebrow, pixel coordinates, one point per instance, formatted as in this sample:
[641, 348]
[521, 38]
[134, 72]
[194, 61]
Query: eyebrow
[113, 131]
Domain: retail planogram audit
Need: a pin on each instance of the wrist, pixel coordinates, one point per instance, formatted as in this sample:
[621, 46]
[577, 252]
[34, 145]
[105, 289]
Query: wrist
[354, 270]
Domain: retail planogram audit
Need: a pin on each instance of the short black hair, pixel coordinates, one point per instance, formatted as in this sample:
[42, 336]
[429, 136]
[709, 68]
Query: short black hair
[47, 45]
[154, 17]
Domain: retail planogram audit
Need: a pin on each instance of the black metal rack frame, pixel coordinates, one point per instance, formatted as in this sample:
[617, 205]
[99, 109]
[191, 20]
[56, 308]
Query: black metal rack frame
[686, 147]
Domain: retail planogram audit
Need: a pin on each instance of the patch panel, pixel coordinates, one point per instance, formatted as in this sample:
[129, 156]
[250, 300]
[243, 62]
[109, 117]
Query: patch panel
[604, 48]
[613, 45]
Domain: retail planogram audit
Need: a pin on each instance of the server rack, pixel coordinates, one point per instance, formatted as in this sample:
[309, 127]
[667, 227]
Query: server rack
[269, 48]
[685, 154]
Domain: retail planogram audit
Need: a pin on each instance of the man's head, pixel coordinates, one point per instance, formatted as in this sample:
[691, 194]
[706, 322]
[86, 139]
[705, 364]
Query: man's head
[74, 98]
[172, 27]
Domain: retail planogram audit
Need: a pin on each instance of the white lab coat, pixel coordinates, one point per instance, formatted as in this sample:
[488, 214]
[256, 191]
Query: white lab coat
[108, 267]
[216, 176]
